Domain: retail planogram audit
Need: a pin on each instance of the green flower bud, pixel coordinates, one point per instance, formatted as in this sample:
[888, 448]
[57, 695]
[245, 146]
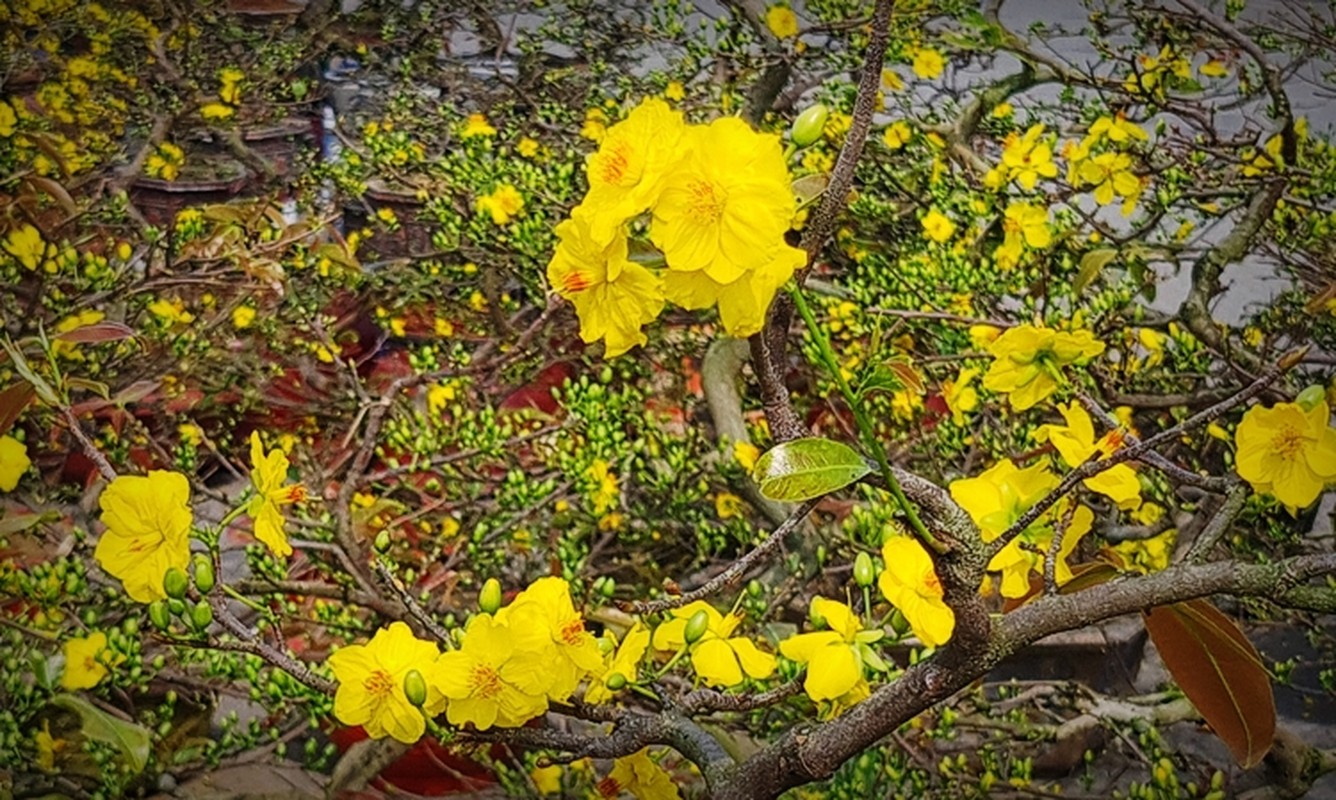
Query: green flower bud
[808, 125]
[696, 627]
[615, 681]
[382, 542]
[159, 615]
[865, 572]
[175, 583]
[755, 588]
[204, 577]
[202, 615]
[1310, 397]
[608, 588]
[176, 607]
[605, 645]
[415, 688]
[898, 623]
[130, 626]
[489, 599]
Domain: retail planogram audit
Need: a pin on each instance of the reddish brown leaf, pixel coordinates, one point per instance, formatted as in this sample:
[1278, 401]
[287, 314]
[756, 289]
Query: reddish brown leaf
[97, 332]
[1220, 672]
[13, 399]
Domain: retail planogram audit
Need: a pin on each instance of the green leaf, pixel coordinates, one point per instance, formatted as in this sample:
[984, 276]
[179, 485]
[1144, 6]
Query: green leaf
[807, 468]
[131, 739]
[1220, 672]
[26, 372]
[1092, 264]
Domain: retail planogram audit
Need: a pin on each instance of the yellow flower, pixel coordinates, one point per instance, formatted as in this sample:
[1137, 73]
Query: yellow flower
[746, 453]
[742, 303]
[1027, 158]
[48, 748]
[8, 119]
[230, 91]
[997, 498]
[983, 335]
[928, 64]
[482, 678]
[148, 523]
[1287, 451]
[1023, 224]
[477, 125]
[27, 245]
[937, 226]
[502, 204]
[960, 396]
[910, 583]
[639, 775]
[1076, 443]
[897, 134]
[547, 780]
[545, 626]
[891, 81]
[595, 124]
[781, 21]
[242, 317]
[726, 206]
[624, 661]
[269, 471]
[627, 171]
[371, 683]
[1002, 111]
[834, 657]
[1117, 129]
[14, 462]
[171, 311]
[86, 661]
[728, 505]
[1027, 358]
[718, 658]
[190, 434]
[675, 91]
[613, 296]
[527, 147]
[216, 111]
[1213, 69]
[1111, 174]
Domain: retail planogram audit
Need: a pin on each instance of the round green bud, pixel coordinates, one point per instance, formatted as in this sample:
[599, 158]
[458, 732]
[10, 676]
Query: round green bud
[808, 125]
[415, 688]
[1309, 398]
[696, 627]
[865, 572]
[130, 626]
[615, 681]
[489, 599]
[204, 577]
[898, 623]
[755, 588]
[608, 588]
[175, 583]
[159, 615]
[606, 645]
[201, 615]
[382, 542]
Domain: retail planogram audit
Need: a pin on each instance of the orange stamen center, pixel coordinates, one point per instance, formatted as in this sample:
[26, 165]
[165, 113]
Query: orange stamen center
[575, 282]
[572, 631]
[1288, 442]
[378, 683]
[707, 202]
[486, 682]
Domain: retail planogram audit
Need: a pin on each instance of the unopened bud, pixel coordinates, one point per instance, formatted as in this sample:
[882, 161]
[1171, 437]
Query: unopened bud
[415, 688]
[202, 615]
[898, 623]
[696, 627]
[808, 125]
[204, 577]
[615, 681]
[489, 599]
[175, 583]
[865, 572]
[382, 542]
[159, 615]
[1310, 397]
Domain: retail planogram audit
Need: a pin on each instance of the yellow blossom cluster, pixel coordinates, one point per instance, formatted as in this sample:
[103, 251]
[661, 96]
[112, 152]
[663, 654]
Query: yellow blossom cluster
[165, 162]
[1099, 160]
[719, 657]
[720, 201]
[1025, 159]
[1027, 361]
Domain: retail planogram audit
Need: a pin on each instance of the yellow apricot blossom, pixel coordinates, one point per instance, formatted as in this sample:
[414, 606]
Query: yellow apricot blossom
[269, 473]
[719, 658]
[937, 226]
[1025, 159]
[781, 21]
[743, 302]
[476, 125]
[613, 296]
[1111, 175]
[1023, 225]
[1117, 129]
[834, 657]
[482, 679]
[928, 63]
[26, 244]
[371, 684]
[910, 583]
[960, 395]
[1076, 443]
[86, 660]
[1027, 359]
[502, 204]
[627, 171]
[639, 775]
[8, 119]
[545, 626]
[148, 523]
[897, 134]
[624, 661]
[1287, 451]
[14, 462]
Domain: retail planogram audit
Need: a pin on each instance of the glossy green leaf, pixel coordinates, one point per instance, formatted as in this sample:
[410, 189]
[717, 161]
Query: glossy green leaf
[806, 468]
[131, 739]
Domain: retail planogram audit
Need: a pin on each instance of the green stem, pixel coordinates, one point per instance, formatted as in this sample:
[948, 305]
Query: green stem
[241, 598]
[865, 429]
[672, 662]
